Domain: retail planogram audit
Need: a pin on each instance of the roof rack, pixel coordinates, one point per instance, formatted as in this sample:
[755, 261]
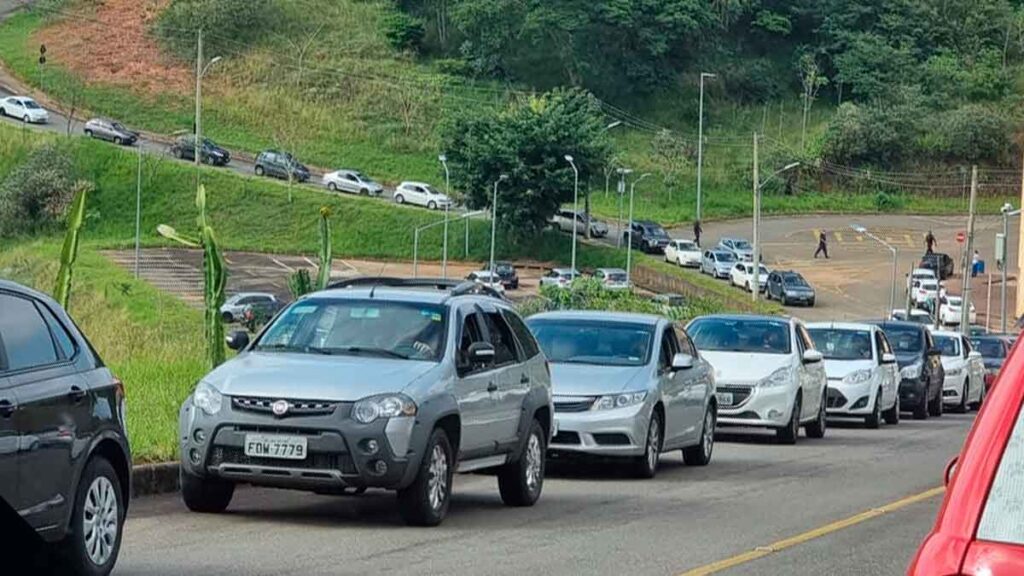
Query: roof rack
[455, 287]
[470, 287]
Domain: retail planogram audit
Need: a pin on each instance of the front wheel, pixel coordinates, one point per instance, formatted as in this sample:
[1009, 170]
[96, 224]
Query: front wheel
[789, 433]
[97, 521]
[399, 199]
[873, 420]
[921, 410]
[646, 466]
[892, 415]
[935, 407]
[521, 482]
[961, 408]
[25, 119]
[206, 495]
[332, 186]
[817, 428]
[432, 205]
[700, 455]
[88, 133]
[117, 140]
[260, 171]
[425, 501]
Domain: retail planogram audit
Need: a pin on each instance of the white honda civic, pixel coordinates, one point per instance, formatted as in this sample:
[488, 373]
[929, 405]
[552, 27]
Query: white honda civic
[863, 379]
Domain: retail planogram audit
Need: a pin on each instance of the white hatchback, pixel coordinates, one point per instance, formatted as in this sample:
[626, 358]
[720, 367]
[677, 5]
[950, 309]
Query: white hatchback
[683, 253]
[951, 308]
[964, 386]
[422, 195]
[863, 378]
[767, 372]
[25, 109]
[742, 275]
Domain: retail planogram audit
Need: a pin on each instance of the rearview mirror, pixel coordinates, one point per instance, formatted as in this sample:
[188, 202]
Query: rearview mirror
[238, 340]
[888, 358]
[682, 362]
[481, 353]
[812, 356]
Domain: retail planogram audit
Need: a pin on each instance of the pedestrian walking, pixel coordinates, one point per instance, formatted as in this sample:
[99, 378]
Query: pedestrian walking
[930, 242]
[975, 264]
[822, 245]
[696, 232]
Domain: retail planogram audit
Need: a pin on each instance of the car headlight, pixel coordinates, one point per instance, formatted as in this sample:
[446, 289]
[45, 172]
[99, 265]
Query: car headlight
[619, 400]
[207, 398]
[370, 409]
[780, 377]
[858, 377]
[911, 372]
[954, 371]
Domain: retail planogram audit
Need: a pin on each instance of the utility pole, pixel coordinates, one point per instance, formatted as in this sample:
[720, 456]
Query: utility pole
[199, 100]
[575, 209]
[629, 230]
[622, 193]
[448, 191]
[138, 210]
[965, 306]
[755, 282]
[700, 142]
[494, 219]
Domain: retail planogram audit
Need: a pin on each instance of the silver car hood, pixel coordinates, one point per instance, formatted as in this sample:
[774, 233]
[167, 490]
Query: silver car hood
[594, 380]
[313, 377]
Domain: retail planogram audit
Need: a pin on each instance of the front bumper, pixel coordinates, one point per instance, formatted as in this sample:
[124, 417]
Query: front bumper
[755, 405]
[338, 448]
[616, 432]
[800, 297]
[952, 389]
[913, 392]
[850, 399]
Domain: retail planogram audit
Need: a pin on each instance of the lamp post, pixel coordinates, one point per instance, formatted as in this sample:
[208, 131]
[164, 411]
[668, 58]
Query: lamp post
[575, 209]
[448, 191]
[755, 281]
[629, 230]
[623, 172]
[700, 141]
[895, 255]
[494, 218]
[200, 72]
[416, 238]
[1007, 211]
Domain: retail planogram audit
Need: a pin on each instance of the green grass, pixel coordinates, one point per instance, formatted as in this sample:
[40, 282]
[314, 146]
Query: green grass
[152, 341]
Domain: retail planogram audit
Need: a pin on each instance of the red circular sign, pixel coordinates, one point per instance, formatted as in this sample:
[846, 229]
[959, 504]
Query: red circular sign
[960, 237]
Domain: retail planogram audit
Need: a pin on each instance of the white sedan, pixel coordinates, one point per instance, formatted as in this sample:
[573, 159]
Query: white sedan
[964, 386]
[742, 275]
[422, 195]
[683, 253]
[863, 377]
[925, 290]
[24, 108]
[485, 277]
[950, 309]
[353, 182]
[767, 373]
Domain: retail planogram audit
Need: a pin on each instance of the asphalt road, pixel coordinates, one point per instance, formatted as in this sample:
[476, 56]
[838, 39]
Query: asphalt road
[591, 518]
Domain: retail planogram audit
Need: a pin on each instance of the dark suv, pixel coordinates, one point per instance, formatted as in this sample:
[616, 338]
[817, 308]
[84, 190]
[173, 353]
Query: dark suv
[64, 458]
[942, 264]
[789, 287]
[280, 165]
[648, 236]
[507, 272]
[921, 372]
[184, 148]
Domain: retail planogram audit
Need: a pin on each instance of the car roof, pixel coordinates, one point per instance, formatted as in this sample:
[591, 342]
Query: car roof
[246, 294]
[611, 270]
[883, 324]
[843, 326]
[923, 271]
[946, 333]
[414, 183]
[788, 319]
[24, 290]
[624, 317]
[562, 270]
[384, 294]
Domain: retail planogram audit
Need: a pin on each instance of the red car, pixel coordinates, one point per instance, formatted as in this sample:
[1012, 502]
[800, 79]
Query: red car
[980, 528]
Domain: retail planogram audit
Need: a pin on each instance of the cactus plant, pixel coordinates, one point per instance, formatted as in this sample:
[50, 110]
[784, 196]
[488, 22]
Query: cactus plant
[324, 275]
[299, 283]
[69, 252]
[214, 277]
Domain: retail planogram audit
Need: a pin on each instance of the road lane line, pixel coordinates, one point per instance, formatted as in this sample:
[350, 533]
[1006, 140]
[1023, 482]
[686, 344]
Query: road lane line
[762, 551]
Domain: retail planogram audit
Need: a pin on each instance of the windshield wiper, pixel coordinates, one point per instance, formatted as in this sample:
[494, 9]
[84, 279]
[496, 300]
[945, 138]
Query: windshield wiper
[373, 352]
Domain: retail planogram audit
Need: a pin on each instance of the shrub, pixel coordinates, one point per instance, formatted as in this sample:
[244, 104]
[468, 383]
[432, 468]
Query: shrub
[404, 32]
[970, 134]
[230, 22]
[36, 195]
[879, 135]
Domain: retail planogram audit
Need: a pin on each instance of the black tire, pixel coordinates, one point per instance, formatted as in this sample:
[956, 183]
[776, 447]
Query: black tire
[332, 186]
[259, 170]
[364, 192]
[749, 288]
[782, 300]
[892, 415]
[414, 501]
[874, 420]
[811, 303]
[962, 408]
[88, 133]
[817, 428]
[227, 317]
[520, 483]
[98, 479]
[646, 466]
[399, 199]
[205, 495]
[3, 112]
[117, 140]
[921, 410]
[431, 205]
[935, 407]
[981, 399]
[700, 455]
[791, 431]
[25, 119]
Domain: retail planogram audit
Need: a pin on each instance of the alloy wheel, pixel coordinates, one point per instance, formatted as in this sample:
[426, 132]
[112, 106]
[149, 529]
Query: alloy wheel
[708, 441]
[100, 521]
[534, 459]
[437, 484]
[653, 443]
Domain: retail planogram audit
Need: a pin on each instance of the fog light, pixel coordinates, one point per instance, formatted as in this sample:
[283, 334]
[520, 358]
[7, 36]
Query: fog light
[199, 436]
[773, 414]
[380, 467]
[193, 456]
[862, 402]
[370, 446]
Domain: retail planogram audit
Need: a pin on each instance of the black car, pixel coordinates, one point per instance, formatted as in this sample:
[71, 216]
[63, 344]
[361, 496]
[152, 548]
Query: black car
[789, 287]
[280, 165]
[942, 264]
[507, 272]
[648, 236]
[69, 477]
[994, 349]
[921, 372]
[184, 148]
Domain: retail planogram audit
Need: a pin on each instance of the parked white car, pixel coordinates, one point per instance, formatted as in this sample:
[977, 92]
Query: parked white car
[917, 316]
[742, 275]
[612, 278]
[25, 109]
[353, 182]
[951, 308]
[422, 195]
[234, 306]
[563, 220]
[863, 378]
[560, 277]
[925, 290]
[918, 274]
[767, 373]
[683, 253]
[964, 386]
[488, 279]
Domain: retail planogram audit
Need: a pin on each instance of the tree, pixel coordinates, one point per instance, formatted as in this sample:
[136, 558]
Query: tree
[670, 152]
[811, 80]
[527, 141]
[35, 195]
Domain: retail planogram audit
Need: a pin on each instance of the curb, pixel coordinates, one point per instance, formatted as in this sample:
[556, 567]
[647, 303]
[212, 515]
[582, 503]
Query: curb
[150, 479]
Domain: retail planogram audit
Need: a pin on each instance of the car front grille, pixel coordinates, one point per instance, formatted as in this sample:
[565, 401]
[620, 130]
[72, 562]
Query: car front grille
[611, 439]
[835, 399]
[566, 438]
[740, 394]
[295, 407]
[228, 455]
[578, 404]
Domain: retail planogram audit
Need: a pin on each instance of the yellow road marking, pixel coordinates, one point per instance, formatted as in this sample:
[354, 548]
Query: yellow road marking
[762, 551]
[839, 236]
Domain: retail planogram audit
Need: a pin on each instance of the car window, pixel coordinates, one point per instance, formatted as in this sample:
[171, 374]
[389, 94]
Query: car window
[685, 344]
[905, 339]
[741, 334]
[669, 347]
[501, 339]
[593, 341]
[24, 334]
[989, 347]
[526, 340]
[65, 344]
[469, 335]
[842, 344]
[1001, 518]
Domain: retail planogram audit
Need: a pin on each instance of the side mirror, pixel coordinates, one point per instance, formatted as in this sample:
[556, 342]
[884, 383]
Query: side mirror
[947, 476]
[812, 357]
[481, 353]
[682, 362]
[888, 358]
[934, 351]
[238, 340]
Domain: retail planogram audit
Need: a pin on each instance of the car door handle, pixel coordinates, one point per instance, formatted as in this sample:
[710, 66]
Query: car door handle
[76, 393]
[492, 387]
[6, 408]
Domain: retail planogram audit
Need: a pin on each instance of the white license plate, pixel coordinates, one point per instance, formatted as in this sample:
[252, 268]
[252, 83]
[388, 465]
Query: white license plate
[724, 398]
[275, 446]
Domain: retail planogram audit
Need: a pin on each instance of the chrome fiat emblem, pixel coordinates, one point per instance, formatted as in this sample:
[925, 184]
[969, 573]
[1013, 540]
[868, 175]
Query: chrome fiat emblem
[280, 407]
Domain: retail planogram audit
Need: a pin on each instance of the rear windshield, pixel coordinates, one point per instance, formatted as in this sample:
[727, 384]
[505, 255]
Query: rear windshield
[689, 246]
[988, 348]
[725, 257]
[752, 335]
[593, 341]
[837, 344]
[794, 280]
[617, 276]
[1001, 519]
[904, 340]
[949, 346]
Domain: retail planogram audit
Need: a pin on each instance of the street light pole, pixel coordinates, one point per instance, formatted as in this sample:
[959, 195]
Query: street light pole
[448, 191]
[629, 230]
[200, 72]
[494, 218]
[1007, 211]
[575, 209]
[755, 281]
[965, 305]
[895, 259]
[700, 141]
[623, 172]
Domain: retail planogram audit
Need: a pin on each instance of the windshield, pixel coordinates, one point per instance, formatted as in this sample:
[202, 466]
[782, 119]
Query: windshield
[505, 268]
[948, 345]
[838, 344]
[753, 335]
[988, 347]
[794, 280]
[655, 230]
[904, 340]
[954, 302]
[359, 328]
[432, 190]
[617, 276]
[688, 246]
[593, 342]
[742, 245]
[930, 286]
[30, 104]
[725, 257]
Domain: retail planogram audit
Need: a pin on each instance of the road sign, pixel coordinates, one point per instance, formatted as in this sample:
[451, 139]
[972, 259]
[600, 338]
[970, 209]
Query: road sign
[960, 237]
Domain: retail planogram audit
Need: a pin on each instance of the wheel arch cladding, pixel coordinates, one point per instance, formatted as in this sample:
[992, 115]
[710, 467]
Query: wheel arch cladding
[535, 407]
[452, 426]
